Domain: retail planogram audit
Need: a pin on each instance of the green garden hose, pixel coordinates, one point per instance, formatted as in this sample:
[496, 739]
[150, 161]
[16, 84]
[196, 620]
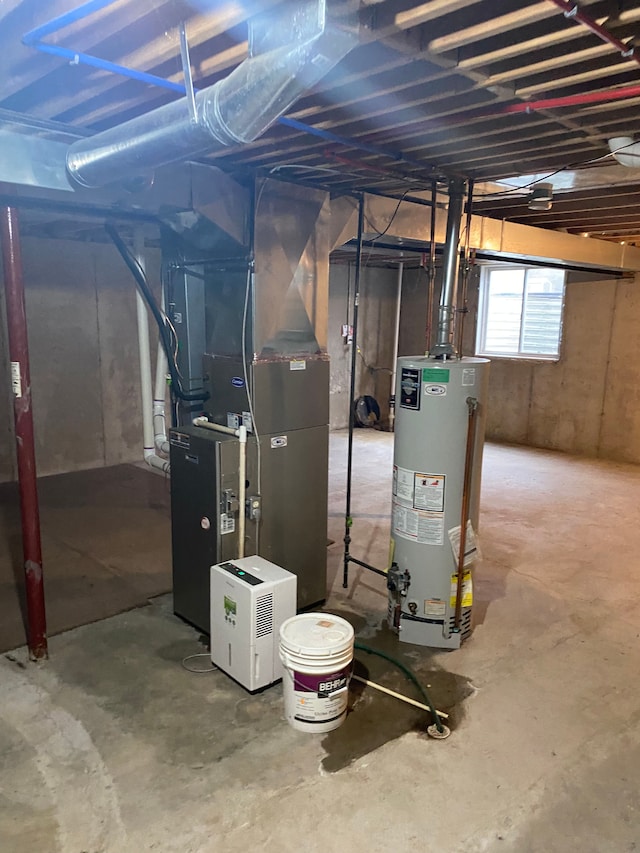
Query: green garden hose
[412, 678]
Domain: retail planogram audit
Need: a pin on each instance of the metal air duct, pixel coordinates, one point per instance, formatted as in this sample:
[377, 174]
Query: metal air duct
[290, 50]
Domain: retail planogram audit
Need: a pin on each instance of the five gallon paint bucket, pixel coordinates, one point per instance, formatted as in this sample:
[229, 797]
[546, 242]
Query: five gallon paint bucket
[316, 650]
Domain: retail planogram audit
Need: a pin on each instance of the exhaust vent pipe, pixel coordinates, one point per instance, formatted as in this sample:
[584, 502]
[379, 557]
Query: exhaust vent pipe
[290, 50]
[444, 347]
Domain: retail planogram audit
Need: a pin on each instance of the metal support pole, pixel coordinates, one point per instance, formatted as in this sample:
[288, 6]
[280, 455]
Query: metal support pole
[396, 341]
[23, 418]
[352, 391]
[472, 405]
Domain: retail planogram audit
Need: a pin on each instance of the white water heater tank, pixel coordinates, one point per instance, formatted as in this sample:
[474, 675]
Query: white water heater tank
[433, 399]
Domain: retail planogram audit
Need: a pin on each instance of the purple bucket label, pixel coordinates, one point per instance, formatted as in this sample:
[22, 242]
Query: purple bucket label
[323, 685]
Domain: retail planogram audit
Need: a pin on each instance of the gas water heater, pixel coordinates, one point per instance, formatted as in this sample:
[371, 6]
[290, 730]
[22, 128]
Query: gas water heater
[439, 437]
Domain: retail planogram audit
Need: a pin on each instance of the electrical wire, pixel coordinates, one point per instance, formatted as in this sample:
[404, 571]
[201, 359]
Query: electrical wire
[327, 170]
[410, 675]
[183, 663]
[372, 367]
[139, 275]
[576, 165]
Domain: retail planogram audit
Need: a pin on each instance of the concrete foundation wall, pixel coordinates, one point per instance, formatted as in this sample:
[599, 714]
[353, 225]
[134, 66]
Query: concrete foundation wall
[85, 375]
[588, 402]
[378, 290]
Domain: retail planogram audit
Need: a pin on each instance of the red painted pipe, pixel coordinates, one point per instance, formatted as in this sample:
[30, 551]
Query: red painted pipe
[569, 101]
[23, 417]
[573, 11]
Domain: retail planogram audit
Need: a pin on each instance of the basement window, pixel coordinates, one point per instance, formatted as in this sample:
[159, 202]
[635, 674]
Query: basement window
[520, 312]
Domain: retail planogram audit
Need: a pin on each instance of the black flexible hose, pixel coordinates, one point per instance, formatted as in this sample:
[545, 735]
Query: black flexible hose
[163, 331]
[410, 675]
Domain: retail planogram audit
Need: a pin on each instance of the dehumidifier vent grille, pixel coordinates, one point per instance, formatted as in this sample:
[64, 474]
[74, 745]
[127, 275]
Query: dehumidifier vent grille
[264, 615]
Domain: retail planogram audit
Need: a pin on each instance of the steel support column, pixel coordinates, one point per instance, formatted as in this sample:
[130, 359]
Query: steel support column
[23, 417]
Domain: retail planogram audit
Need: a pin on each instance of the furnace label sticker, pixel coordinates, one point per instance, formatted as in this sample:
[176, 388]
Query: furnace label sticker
[469, 376]
[427, 528]
[428, 492]
[227, 523]
[403, 485]
[467, 590]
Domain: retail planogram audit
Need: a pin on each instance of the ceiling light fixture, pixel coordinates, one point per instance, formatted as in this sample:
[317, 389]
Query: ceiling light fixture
[626, 151]
[541, 197]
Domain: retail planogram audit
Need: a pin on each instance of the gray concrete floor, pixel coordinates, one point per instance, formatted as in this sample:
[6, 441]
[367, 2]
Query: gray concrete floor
[106, 545]
[112, 747]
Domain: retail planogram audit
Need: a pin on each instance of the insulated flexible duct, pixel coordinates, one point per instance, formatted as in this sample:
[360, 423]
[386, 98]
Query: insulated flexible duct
[290, 50]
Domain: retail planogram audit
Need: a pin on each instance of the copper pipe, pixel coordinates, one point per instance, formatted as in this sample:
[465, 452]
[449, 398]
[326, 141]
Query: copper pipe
[472, 405]
[23, 418]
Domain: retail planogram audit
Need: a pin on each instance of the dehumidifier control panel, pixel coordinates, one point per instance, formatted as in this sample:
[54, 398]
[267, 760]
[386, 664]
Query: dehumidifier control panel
[243, 575]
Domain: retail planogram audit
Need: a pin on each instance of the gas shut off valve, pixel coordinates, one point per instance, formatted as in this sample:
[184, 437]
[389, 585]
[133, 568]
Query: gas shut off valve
[398, 582]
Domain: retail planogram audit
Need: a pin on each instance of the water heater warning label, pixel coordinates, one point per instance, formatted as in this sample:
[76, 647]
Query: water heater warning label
[426, 528]
[429, 492]
[403, 485]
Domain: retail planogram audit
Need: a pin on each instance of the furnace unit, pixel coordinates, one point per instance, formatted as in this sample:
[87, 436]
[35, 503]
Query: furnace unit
[252, 327]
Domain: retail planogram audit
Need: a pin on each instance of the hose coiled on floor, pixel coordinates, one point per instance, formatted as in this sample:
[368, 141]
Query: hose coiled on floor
[410, 675]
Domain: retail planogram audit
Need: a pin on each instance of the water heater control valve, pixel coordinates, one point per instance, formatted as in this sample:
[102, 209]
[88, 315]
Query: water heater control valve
[398, 580]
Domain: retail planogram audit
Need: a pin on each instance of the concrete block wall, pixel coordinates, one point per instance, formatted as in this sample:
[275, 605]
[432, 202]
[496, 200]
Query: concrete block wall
[80, 301]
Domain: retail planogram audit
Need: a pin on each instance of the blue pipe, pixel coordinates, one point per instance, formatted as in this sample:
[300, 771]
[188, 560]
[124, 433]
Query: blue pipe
[34, 39]
[104, 65]
[329, 136]
[64, 20]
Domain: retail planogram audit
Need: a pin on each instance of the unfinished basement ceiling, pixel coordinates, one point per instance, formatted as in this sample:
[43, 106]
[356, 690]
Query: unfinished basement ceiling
[437, 88]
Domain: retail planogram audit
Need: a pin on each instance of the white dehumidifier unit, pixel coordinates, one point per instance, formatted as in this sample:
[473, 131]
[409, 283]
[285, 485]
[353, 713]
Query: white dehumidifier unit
[250, 599]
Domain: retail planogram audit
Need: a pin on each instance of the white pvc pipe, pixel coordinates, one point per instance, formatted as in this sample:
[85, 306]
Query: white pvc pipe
[241, 435]
[144, 352]
[203, 422]
[396, 341]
